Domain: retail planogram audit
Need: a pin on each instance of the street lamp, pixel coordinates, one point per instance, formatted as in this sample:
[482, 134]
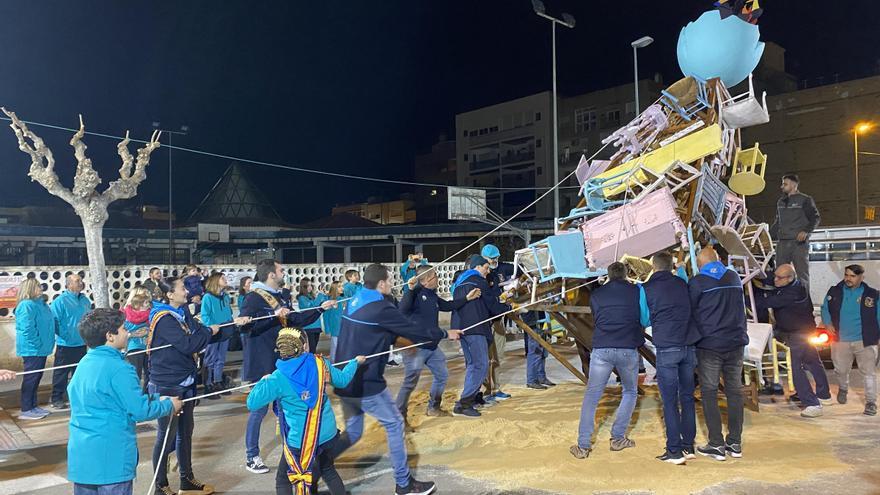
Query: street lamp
[182, 132]
[860, 128]
[639, 43]
[567, 21]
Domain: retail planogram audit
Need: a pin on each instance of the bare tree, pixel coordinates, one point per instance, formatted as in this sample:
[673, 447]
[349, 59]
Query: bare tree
[87, 202]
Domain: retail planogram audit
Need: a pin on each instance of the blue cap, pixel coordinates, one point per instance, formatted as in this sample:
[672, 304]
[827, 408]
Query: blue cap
[490, 251]
[476, 260]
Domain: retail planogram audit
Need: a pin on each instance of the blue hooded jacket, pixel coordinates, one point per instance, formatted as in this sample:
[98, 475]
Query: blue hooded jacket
[68, 309]
[718, 307]
[34, 328]
[307, 302]
[478, 310]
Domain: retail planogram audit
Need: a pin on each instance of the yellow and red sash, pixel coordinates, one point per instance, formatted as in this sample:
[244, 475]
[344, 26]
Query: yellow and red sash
[299, 472]
[155, 320]
[273, 303]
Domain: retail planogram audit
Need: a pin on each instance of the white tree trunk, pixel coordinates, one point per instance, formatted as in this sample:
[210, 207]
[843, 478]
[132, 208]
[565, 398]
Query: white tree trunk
[94, 234]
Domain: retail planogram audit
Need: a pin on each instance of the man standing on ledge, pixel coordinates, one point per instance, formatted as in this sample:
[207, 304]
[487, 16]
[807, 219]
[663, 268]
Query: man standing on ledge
[796, 218]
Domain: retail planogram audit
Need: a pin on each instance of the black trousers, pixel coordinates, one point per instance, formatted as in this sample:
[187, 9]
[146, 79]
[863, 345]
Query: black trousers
[64, 355]
[322, 468]
[313, 336]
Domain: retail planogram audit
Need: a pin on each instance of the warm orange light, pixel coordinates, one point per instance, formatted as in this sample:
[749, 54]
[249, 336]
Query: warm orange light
[820, 338]
[863, 127]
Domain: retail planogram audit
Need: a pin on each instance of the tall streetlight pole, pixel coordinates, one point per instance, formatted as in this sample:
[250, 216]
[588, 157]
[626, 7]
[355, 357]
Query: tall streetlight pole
[567, 21]
[860, 128]
[639, 43]
[182, 132]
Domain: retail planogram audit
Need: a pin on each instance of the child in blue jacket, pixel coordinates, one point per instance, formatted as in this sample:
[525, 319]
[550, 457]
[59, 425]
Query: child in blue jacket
[106, 403]
[296, 388]
[306, 300]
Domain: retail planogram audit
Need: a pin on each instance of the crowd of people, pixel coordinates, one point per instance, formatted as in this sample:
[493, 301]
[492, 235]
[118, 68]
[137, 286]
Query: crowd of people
[175, 332]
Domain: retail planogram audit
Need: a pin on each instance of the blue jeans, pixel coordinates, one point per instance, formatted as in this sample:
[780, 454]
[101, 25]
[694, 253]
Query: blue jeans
[535, 360]
[602, 361]
[215, 360]
[181, 433]
[123, 488]
[413, 362]
[252, 431]
[476, 361]
[380, 406]
[31, 382]
[805, 357]
[675, 378]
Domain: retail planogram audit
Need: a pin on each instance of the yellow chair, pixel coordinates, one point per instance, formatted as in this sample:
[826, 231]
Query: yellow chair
[748, 172]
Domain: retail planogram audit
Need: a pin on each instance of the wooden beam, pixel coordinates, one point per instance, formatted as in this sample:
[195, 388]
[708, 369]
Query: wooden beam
[546, 345]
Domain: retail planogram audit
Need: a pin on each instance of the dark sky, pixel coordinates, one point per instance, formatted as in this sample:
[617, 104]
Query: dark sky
[350, 86]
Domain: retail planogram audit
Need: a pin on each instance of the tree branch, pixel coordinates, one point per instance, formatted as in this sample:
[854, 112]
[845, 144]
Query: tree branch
[42, 161]
[126, 186]
[86, 179]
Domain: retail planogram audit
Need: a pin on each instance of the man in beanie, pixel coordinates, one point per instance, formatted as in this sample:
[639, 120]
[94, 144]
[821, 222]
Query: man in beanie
[475, 341]
[297, 389]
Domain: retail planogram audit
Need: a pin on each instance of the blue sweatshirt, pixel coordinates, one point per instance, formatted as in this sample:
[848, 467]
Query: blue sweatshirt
[259, 352]
[106, 403]
[407, 272]
[423, 306]
[307, 302]
[332, 319]
[850, 314]
[34, 328]
[172, 366]
[68, 308]
[194, 287]
[277, 387]
[718, 308]
[478, 310]
[216, 310]
[370, 325]
[615, 308]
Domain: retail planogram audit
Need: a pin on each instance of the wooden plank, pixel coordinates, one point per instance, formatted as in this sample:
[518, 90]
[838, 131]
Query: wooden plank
[546, 345]
[560, 308]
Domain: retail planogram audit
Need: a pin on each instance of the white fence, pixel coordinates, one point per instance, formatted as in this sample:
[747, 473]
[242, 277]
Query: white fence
[123, 278]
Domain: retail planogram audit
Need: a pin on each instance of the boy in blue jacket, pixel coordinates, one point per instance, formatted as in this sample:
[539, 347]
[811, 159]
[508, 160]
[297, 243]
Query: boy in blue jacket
[475, 343]
[371, 323]
[106, 403]
[718, 309]
[422, 304]
[297, 391]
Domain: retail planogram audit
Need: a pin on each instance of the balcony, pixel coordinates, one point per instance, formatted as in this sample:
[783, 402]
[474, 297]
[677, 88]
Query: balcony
[526, 131]
[484, 164]
[508, 158]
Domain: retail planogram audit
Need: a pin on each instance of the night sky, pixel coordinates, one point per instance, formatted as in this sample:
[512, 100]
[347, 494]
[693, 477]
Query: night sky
[350, 86]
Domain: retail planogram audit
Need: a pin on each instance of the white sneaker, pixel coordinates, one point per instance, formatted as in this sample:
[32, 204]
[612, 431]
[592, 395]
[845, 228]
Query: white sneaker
[812, 412]
[256, 465]
[826, 402]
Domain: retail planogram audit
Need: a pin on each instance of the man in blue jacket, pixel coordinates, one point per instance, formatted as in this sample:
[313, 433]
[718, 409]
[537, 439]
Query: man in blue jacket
[666, 308]
[850, 309]
[106, 404]
[409, 267]
[718, 309]
[422, 304]
[474, 316]
[499, 273]
[793, 312]
[68, 308]
[264, 299]
[617, 335]
[370, 325]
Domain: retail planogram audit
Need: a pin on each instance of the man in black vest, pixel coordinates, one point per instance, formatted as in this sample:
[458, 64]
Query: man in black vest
[718, 309]
[850, 310]
[793, 312]
[666, 308]
[796, 218]
[617, 336]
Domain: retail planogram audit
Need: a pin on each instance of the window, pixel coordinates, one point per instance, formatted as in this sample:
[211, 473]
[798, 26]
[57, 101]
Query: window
[493, 129]
[472, 133]
[537, 143]
[612, 117]
[483, 131]
[465, 157]
[537, 116]
[585, 119]
[464, 134]
[540, 170]
[630, 108]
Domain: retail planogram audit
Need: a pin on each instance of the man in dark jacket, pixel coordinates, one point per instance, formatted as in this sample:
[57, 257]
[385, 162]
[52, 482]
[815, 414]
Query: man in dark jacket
[475, 317]
[370, 325]
[793, 312]
[265, 299]
[616, 338]
[422, 305]
[718, 309]
[499, 273]
[851, 311]
[796, 218]
[666, 308]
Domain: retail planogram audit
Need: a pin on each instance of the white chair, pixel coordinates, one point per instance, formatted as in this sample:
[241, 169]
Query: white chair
[745, 110]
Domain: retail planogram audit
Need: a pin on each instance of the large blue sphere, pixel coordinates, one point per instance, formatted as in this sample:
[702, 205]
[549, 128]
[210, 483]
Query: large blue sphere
[712, 47]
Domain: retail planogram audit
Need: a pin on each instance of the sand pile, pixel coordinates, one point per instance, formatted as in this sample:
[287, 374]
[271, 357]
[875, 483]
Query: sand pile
[523, 442]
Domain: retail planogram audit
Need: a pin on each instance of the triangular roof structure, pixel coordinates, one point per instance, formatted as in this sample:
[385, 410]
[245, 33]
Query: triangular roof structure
[235, 200]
